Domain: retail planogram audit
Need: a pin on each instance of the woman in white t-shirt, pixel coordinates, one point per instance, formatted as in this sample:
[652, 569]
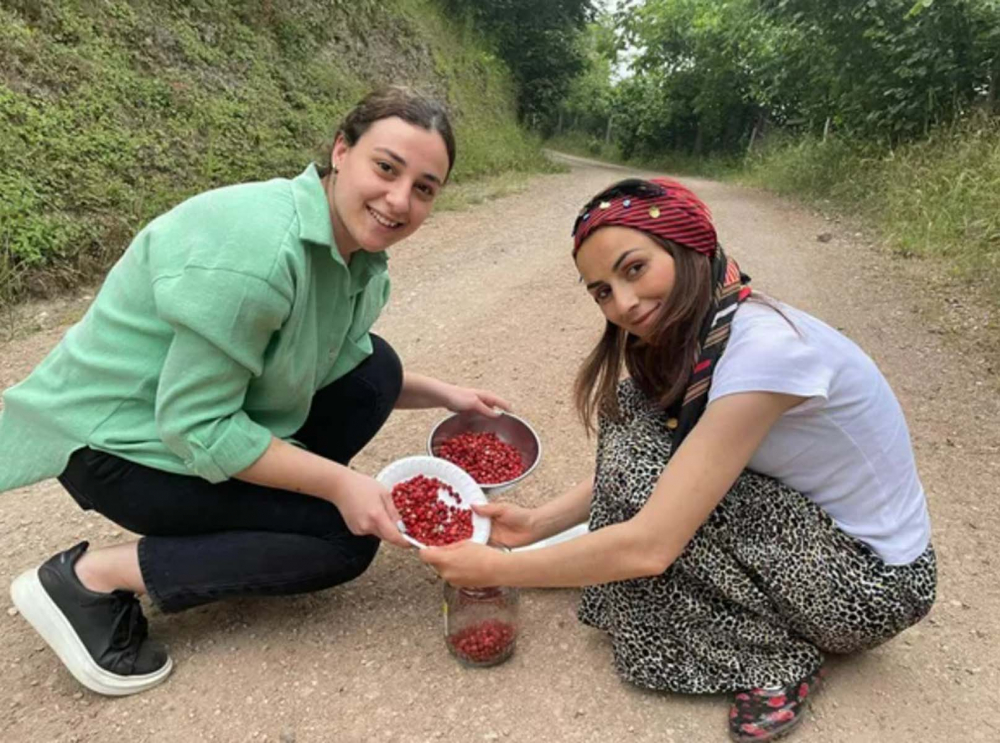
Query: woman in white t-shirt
[790, 522]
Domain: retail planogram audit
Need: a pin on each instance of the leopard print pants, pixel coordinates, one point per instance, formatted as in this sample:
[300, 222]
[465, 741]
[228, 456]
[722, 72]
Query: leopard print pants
[765, 586]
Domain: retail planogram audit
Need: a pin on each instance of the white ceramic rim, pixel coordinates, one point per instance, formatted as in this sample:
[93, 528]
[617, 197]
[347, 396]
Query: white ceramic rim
[453, 475]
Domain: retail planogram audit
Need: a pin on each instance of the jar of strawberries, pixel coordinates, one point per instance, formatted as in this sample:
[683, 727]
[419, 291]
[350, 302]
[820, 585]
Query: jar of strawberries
[480, 624]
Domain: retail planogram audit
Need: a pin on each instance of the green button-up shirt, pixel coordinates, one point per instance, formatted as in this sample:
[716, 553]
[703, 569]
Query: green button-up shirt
[210, 335]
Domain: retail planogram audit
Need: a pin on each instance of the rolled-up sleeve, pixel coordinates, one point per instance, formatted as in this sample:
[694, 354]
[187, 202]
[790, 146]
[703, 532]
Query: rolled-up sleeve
[222, 323]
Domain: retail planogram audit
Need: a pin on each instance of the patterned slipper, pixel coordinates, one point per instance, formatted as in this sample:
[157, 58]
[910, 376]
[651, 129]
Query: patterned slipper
[765, 714]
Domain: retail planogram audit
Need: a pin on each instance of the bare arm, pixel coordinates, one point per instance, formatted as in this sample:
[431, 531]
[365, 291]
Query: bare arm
[564, 511]
[364, 503]
[690, 487]
[514, 526]
[420, 391]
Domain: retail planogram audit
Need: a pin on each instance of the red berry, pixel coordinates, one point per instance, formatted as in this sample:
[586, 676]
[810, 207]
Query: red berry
[487, 458]
[426, 518]
[489, 641]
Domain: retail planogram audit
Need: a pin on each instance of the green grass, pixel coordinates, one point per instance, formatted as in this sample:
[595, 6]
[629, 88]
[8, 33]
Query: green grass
[938, 198]
[112, 112]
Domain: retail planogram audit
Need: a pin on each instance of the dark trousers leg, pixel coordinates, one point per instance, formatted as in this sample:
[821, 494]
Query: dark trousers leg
[204, 541]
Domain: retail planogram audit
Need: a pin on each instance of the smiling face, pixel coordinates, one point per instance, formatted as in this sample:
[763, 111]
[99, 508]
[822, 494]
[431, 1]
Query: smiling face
[385, 185]
[629, 275]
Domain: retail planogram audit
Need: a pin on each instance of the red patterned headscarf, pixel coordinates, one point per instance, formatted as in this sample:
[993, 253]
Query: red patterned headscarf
[668, 210]
[659, 206]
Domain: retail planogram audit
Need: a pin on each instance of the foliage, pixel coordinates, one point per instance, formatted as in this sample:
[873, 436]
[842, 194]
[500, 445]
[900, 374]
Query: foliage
[590, 100]
[691, 90]
[538, 41]
[933, 197]
[892, 68]
[112, 112]
[710, 75]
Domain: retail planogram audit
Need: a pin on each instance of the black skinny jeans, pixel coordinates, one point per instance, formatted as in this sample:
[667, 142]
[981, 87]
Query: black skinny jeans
[203, 542]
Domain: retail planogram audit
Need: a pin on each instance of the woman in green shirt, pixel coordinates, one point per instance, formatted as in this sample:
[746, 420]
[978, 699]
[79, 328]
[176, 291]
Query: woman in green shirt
[216, 390]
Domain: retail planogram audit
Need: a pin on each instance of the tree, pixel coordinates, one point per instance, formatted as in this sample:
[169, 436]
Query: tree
[589, 102]
[707, 72]
[895, 67]
[538, 41]
[692, 83]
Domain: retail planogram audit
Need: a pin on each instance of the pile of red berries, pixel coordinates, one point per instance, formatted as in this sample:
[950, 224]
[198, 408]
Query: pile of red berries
[427, 517]
[488, 642]
[484, 456]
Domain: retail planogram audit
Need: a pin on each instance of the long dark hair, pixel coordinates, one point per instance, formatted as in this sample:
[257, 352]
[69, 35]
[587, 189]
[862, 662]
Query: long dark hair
[395, 100]
[662, 365]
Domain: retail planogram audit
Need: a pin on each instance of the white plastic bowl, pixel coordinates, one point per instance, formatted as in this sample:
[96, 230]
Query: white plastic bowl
[457, 478]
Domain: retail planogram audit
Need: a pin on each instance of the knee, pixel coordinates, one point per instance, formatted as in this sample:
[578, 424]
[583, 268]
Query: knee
[361, 552]
[389, 369]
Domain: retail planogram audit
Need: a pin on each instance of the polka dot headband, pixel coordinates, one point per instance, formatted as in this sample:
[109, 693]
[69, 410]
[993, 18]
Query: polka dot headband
[659, 206]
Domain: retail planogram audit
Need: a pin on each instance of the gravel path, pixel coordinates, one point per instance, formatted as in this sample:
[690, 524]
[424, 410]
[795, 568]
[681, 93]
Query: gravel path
[489, 297]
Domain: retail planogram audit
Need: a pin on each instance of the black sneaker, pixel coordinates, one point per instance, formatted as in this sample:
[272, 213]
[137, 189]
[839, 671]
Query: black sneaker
[100, 637]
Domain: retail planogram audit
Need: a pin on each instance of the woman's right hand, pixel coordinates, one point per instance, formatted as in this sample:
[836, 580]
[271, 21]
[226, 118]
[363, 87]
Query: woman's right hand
[513, 526]
[367, 507]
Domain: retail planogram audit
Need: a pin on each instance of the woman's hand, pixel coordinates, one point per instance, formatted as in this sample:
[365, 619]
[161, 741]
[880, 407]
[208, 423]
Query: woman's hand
[513, 526]
[420, 391]
[467, 399]
[367, 507]
[465, 564]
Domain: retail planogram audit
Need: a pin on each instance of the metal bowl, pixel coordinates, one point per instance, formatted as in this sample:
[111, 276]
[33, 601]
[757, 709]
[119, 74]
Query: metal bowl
[508, 428]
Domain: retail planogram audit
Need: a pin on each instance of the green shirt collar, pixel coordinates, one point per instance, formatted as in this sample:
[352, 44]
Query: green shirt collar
[315, 227]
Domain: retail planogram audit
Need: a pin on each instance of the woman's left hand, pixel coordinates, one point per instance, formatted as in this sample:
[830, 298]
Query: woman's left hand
[465, 564]
[466, 399]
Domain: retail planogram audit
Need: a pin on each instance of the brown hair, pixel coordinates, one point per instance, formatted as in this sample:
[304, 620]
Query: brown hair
[396, 100]
[661, 366]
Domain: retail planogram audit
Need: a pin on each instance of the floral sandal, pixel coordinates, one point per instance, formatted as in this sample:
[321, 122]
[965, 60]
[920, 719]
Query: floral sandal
[765, 714]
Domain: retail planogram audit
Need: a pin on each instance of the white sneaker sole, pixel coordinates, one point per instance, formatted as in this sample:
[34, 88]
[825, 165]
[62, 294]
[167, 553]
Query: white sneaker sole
[35, 605]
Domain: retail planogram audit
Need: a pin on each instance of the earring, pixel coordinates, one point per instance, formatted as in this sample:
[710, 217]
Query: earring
[335, 170]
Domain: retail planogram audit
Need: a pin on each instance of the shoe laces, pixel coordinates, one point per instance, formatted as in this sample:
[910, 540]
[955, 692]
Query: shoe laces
[129, 627]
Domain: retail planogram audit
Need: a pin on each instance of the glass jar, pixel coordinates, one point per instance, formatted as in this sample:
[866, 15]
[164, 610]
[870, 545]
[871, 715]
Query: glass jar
[480, 624]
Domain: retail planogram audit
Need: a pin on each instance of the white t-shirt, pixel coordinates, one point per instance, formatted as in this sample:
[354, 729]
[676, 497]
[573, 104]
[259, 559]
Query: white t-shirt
[847, 447]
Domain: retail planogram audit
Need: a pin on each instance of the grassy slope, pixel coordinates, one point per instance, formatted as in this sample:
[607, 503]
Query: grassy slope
[111, 112]
[939, 197]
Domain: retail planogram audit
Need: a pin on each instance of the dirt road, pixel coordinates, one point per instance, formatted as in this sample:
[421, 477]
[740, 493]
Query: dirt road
[490, 297]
